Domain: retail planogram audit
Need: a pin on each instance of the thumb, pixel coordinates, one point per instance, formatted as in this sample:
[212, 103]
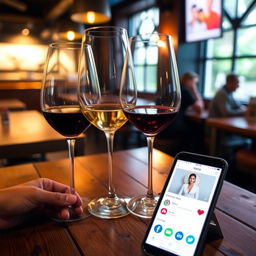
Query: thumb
[56, 198]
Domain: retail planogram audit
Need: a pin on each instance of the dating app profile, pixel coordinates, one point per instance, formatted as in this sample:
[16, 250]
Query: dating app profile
[192, 184]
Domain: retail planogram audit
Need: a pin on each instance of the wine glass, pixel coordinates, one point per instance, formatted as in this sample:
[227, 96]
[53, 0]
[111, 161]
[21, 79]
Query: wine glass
[101, 63]
[155, 64]
[59, 102]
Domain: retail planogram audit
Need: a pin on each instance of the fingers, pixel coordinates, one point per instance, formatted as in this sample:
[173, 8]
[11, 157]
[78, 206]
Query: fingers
[48, 184]
[51, 185]
[79, 201]
[54, 186]
[64, 213]
[49, 192]
[55, 198]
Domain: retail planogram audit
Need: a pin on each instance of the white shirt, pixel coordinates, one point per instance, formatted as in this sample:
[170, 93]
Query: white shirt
[193, 193]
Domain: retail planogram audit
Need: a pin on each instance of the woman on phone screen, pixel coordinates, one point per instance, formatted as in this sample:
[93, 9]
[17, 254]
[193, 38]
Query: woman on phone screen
[190, 189]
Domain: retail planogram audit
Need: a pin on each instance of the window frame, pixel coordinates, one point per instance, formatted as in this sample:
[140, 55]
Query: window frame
[145, 64]
[236, 24]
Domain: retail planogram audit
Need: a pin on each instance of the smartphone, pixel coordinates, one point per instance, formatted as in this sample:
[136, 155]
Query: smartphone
[181, 219]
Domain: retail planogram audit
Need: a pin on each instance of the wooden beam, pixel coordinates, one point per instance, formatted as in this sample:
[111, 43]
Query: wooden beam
[15, 4]
[14, 18]
[61, 7]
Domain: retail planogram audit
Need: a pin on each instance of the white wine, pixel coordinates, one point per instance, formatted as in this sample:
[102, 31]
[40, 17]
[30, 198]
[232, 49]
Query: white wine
[106, 117]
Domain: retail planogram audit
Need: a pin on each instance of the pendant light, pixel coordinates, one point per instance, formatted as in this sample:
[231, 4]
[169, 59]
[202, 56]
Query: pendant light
[91, 11]
[68, 30]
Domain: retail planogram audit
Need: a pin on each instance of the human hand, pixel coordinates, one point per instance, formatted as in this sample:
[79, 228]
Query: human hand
[198, 107]
[17, 201]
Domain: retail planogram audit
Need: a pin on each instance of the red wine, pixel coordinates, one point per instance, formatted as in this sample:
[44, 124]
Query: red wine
[151, 119]
[67, 120]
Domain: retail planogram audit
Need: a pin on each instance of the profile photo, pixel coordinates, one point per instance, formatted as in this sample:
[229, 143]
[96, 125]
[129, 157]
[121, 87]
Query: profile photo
[193, 185]
[190, 187]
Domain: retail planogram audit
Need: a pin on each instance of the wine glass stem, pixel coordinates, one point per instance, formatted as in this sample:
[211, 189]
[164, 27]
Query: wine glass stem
[110, 140]
[71, 152]
[150, 142]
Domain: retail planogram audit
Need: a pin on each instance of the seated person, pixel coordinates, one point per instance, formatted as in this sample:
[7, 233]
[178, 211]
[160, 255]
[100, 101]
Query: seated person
[190, 99]
[223, 104]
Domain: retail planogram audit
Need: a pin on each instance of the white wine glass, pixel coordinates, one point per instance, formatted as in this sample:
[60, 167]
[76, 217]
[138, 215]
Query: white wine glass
[150, 113]
[60, 106]
[101, 64]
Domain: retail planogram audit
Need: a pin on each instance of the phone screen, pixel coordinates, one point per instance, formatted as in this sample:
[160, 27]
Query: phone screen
[183, 210]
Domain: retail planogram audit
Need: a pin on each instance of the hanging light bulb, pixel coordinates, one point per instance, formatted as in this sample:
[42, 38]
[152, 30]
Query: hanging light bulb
[91, 11]
[25, 31]
[69, 30]
[71, 35]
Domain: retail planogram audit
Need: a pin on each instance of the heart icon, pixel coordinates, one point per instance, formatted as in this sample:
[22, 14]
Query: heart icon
[200, 212]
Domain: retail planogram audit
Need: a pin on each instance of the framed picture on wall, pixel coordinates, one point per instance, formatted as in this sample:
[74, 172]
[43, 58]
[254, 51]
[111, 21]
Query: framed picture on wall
[203, 19]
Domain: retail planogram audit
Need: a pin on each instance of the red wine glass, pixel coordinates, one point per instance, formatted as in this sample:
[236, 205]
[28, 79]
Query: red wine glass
[153, 59]
[59, 102]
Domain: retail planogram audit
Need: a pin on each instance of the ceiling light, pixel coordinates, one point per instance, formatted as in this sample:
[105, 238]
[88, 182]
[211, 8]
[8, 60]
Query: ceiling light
[71, 35]
[91, 11]
[69, 30]
[25, 31]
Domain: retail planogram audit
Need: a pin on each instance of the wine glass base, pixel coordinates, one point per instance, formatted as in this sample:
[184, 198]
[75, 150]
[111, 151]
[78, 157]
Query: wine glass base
[73, 216]
[142, 206]
[108, 208]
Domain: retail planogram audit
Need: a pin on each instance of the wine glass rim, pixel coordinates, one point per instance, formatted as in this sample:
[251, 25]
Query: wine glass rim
[96, 31]
[66, 45]
[141, 39]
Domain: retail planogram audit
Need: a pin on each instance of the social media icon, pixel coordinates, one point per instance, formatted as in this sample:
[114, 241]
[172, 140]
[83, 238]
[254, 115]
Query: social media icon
[167, 202]
[190, 239]
[158, 228]
[163, 211]
[179, 235]
[168, 232]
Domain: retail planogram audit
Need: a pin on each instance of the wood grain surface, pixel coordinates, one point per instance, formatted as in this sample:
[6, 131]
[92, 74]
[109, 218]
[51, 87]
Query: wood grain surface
[28, 133]
[235, 210]
[238, 125]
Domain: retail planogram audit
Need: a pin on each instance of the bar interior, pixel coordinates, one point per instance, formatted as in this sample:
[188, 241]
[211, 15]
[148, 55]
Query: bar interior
[97, 100]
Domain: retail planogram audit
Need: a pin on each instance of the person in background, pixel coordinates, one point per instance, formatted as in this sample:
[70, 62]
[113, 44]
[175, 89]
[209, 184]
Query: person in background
[19, 202]
[191, 98]
[223, 104]
[180, 129]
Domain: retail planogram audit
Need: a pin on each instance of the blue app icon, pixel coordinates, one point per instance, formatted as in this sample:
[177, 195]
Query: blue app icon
[158, 228]
[190, 239]
[179, 235]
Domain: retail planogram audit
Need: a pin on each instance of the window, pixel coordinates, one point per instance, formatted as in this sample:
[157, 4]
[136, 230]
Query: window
[143, 23]
[235, 51]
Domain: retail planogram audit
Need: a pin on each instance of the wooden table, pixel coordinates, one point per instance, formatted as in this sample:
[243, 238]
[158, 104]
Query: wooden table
[28, 133]
[235, 210]
[12, 104]
[237, 125]
[198, 118]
